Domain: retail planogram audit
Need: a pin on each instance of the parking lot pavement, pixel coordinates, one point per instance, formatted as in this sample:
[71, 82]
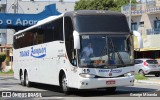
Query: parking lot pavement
[149, 81]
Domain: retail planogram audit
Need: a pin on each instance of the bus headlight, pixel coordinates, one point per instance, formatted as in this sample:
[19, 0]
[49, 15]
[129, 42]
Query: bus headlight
[129, 74]
[87, 75]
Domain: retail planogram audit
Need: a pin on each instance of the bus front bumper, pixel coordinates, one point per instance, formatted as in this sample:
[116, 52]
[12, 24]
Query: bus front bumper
[91, 83]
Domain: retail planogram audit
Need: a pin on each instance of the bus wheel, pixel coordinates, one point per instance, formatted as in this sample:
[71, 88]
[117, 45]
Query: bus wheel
[111, 90]
[64, 86]
[27, 82]
[22, 79]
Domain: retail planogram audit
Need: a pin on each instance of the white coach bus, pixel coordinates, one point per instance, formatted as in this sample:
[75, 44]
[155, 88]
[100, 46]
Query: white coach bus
[52, 51]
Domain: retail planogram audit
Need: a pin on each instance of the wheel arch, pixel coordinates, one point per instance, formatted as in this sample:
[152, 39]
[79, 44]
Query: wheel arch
[140, 70]
[143, 73]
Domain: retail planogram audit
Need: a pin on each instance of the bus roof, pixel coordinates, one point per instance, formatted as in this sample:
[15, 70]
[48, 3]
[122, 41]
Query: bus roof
[93, 12]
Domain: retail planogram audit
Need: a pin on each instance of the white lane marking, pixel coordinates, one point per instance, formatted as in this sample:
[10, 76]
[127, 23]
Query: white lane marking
[5, 89]
[53, 98]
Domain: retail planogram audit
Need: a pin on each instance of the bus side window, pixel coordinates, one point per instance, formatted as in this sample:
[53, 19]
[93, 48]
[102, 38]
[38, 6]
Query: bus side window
[69, 40]
[18, 42]
[40, 36]
[58, 29]
[28, 38]
[48, 33]
[21, 44]
[34, 38]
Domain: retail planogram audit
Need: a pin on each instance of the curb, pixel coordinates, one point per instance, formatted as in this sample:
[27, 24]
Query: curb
[6, 75]
[147, 81]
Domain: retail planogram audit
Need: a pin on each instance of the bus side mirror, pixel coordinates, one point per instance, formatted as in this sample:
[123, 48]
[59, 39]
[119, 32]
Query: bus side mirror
[139, 38]
[76, 40]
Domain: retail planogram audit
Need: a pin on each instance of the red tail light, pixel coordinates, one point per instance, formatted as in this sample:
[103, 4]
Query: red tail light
[145, 63]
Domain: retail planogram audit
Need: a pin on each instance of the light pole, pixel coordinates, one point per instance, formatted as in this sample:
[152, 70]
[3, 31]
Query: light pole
[129, 21]
[15, 5]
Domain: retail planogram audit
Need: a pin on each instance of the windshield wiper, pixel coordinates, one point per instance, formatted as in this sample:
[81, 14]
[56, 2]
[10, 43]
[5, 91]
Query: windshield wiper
[116, 51]
[102, 52]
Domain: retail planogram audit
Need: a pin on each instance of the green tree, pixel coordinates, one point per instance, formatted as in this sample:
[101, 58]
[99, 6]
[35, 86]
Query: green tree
[114, 5]
[94, 4]
[2, 58]
[120, 3]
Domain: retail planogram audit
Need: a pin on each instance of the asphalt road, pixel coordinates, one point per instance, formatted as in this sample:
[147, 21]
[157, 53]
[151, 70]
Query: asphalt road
[152, 77]
[13, 87]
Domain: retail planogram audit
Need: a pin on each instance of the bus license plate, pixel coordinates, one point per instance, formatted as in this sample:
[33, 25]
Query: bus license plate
[110, 82]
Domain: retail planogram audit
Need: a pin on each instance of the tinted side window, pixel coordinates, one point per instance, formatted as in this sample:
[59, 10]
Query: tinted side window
[19, 41]
[58, 29]
[24, 39]
[152, 61]
[45, 33]
[68, 28]
[138, 61]
[28, 39]
[69, 38]
[39, 36]
[51, 31]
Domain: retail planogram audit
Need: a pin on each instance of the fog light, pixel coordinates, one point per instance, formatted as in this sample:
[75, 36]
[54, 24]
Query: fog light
[82, 83]
[87, 75]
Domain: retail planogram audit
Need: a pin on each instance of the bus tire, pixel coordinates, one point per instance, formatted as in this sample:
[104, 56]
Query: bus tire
[22, 79]
[111, 90]
[63, 84]
[27, 82]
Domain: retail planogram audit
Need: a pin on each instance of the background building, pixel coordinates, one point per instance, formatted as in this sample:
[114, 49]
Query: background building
[28, 7]
[145, 18]
[24, 7]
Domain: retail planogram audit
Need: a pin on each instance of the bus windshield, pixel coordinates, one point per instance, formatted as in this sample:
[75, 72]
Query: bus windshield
[101, 23]
[105, 51]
